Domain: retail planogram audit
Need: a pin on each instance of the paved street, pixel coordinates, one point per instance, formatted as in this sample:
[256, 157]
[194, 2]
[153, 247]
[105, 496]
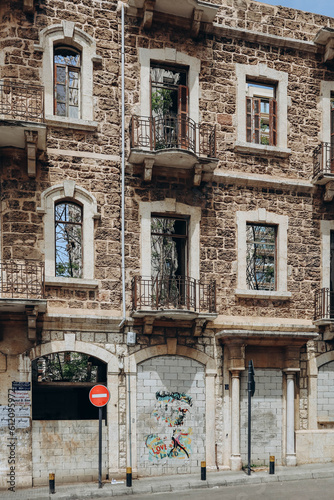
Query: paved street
[308, 489]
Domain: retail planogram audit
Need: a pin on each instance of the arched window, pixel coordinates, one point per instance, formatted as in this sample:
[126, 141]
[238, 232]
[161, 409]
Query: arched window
[67, 63]
[68, 239]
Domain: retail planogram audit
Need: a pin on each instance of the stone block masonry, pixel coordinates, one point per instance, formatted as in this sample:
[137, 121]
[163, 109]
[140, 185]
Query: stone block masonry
[266, 417]
[69, 448]
[170, 415]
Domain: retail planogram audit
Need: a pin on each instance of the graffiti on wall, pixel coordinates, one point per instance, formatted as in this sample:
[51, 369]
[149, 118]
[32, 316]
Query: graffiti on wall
[170, 413]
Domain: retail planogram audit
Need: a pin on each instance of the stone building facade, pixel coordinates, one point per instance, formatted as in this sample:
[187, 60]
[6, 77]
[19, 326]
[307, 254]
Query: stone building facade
[166, 217]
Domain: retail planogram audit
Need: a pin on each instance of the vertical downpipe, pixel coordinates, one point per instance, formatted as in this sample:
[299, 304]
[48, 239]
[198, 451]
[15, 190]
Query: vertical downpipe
[122, 215]
[123, 168]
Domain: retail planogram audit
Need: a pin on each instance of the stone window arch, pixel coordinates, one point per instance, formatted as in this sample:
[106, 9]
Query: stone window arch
[69, 35]
[69, 193]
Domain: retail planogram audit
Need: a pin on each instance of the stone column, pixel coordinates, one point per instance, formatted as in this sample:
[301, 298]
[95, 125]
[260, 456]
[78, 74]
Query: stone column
[290, 419]
[235, 460]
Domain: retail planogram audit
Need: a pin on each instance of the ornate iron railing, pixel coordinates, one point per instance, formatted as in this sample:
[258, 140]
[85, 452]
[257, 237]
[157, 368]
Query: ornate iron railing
[324, 304]
[21, 279]
[22, 102]
[168, 132]
[173, 293]
[323, 159]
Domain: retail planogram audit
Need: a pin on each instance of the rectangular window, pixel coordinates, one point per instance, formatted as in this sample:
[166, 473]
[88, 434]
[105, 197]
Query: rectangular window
[169, 258]
[261, 114]
[261, 257]
[169, 106]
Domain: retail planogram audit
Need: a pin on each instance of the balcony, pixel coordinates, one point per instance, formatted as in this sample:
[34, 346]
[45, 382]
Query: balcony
[191, 15]
[22, 120]
[323, 168]
[21, 285]
[175, 142]
[324, 306]
[179, 298]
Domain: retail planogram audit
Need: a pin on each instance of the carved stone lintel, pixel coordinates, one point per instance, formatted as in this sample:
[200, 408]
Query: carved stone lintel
[196, 22]
[197, 174]
[32, 320]
[329, 193]
[148, 166]
[28, 6]
[198, 326]
[31, 147]
[148, 14]
[148, 325]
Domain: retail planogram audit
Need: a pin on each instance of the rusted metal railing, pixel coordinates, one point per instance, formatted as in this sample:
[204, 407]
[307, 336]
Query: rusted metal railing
[324, 304]
[168, 293]
[21, 279]
[323, 159]
[22, 102]
[168, 132]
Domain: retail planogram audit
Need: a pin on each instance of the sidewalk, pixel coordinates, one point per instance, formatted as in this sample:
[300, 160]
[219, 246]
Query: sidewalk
[173, 483]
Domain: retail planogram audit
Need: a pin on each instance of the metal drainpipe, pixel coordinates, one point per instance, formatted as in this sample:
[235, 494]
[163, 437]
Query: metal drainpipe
[123, 169]
[123, 223]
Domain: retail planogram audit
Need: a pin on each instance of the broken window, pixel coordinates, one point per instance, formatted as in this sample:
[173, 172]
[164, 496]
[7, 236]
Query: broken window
[61, 383]
[169, 106]
[66, 82]
[261, 114]
[68, 238]
[261, 256]
[169, 257]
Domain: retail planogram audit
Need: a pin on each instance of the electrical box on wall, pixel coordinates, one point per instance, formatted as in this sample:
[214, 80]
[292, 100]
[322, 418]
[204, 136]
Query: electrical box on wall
[131, 338]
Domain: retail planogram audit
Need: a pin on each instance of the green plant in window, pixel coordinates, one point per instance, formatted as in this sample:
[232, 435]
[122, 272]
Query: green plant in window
[162, 101]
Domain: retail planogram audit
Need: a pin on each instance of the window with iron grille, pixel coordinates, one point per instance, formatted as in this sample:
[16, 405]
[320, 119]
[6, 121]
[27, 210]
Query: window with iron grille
[168, 246]
[261, 114]
[261, 257]
[68, 239]
[67, 82]
[169, 105]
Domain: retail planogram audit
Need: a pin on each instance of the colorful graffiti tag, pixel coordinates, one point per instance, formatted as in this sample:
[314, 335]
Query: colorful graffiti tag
[170, 412]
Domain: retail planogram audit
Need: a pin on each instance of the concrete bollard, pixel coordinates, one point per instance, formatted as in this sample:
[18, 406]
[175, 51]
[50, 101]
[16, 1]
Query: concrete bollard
[203, 471]
[52, 483]
[271, 464]
[129, 476]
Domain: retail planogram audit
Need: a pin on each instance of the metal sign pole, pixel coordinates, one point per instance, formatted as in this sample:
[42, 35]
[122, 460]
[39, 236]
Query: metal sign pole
[100, 447]
[249, 414]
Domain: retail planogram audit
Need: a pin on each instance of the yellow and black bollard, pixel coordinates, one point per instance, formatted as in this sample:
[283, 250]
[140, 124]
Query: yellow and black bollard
[128, 476]
[271, 464]
[52, 483]
[203, 471]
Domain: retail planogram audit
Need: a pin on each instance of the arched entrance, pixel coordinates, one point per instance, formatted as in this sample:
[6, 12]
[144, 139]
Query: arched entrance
[64, 426]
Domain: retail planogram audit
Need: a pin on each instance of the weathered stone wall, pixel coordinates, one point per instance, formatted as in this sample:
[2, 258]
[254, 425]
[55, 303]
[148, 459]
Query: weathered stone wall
[170, 415]
[272, 20]
[68, 448]
[267, 412]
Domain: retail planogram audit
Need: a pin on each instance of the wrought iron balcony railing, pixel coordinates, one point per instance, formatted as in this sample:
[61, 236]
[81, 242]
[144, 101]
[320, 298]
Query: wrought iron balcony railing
[21, 279]
[22, 102]
[323, 159]
[173, 293]
[173, 132]
[324, 304]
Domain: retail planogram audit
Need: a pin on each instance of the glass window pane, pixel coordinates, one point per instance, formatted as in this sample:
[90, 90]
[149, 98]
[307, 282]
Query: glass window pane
[73, 112]
[61, 109]
[261, 243]
[68, 233]
[61, 93]
[61, 74]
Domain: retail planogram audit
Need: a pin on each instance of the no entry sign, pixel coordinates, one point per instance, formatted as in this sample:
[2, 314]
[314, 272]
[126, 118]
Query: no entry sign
[99, 395]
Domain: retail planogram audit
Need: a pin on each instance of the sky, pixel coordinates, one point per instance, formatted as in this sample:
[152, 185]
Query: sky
[325, 7]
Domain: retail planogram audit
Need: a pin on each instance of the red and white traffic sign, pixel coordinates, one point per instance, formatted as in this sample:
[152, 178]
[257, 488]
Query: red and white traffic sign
[99, 395]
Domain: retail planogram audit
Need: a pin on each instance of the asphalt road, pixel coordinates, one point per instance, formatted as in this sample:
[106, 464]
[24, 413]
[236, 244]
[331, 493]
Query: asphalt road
[309, 489]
